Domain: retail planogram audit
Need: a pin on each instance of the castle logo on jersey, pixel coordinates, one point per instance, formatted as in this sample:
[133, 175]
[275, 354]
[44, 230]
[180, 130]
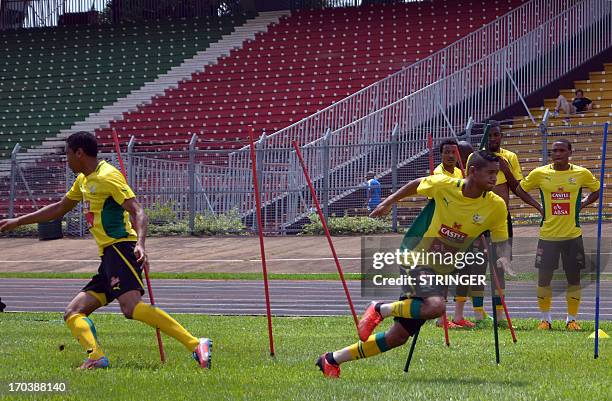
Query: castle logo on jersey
[452, 234]
[560, 195]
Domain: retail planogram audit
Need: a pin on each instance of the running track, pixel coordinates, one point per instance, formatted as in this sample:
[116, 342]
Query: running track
[288, 298]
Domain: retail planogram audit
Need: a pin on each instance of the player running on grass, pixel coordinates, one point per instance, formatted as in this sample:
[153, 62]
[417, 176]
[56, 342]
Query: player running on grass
[464, 209]
[509, 168]
[119, 225]
[449, 168]
[560, 185]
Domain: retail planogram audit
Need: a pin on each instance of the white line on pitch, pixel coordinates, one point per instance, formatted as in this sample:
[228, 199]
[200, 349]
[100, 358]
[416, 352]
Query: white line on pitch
[215, 260]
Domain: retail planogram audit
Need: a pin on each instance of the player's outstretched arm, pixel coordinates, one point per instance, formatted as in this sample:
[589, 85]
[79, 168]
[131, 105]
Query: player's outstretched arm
[385, 206]
[50, 212]
[140, 221]
[593, 196]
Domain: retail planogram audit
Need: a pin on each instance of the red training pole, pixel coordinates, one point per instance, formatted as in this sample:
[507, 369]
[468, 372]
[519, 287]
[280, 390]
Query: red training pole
[261, 240]
[162, 354]
[493, 272]
[324, 223]
[431, 172]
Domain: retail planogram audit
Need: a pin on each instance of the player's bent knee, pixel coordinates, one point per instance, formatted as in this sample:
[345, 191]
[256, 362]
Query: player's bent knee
[433, 307]
[73, 310]
[68, 312]
[127, 310]
[396, 339]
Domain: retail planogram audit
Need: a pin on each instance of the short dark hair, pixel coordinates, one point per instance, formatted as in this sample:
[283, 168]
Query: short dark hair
[494, 124]
[83, 140]
[449, 141]
[565, 141]
[579, 90]
[482, 158]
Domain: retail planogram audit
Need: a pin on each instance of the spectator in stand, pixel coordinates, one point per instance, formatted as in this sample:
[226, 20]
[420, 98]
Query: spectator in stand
[580, 104]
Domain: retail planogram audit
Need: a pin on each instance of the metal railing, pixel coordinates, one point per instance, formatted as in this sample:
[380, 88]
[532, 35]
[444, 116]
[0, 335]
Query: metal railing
[190, 186]
[480, 90]
[17, 14]
[482, 42]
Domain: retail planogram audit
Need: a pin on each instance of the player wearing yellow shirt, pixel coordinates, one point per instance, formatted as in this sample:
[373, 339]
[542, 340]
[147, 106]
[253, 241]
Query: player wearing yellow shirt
[119, 226]
[464, 209]
[449, 168]
[560, 185]
[509, 168]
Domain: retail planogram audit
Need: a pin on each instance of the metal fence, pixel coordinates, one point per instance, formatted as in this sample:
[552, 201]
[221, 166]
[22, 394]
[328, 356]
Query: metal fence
[464, 52]
[16, 14]
[177, 191]
[480, 89]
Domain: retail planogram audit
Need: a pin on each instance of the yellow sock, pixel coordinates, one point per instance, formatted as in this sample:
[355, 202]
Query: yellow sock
[409, 308]
[459, 298]
[374, 345]
[573, 299]
[156, 317]
[544, 298]
[83, 329]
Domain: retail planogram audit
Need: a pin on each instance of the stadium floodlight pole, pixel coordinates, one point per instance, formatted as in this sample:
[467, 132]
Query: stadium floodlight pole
[493, 272]
[325, 229]
[444, 315]
[162, 353]
[261, 239]
[602, 176]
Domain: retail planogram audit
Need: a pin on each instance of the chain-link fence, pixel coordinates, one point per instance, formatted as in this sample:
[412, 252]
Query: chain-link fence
[190, 192]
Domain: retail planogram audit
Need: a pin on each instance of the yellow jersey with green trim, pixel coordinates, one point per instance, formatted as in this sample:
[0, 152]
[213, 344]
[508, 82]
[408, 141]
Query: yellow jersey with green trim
[441, 170]
[513, 162]
[102, 193]
[561, 195]
[457, 220]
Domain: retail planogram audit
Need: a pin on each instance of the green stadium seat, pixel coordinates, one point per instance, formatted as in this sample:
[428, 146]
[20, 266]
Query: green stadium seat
[51, 78]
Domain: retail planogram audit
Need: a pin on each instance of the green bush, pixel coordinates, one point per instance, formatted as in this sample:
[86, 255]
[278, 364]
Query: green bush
[361, 225]
[161, 213]
[27, 230]
[219, 224]
[204, 224]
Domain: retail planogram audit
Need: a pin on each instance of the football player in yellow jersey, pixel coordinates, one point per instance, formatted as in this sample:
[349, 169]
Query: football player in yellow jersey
[448, 167]
[463, 210]
[560, 185]
[119, 226]
[509, 165]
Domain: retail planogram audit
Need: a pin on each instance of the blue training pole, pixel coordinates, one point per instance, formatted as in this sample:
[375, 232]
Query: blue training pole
[602, 176]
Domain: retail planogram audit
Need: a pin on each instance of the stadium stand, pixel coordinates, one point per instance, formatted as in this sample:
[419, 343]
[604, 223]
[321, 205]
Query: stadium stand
[586, 148]
[52, 77]
[308, 61]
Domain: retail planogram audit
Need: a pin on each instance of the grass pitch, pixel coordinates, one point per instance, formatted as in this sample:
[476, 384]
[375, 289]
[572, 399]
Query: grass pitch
[554, 365]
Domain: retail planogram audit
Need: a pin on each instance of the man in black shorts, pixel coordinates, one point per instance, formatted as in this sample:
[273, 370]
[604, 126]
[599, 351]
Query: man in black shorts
[110, 209]
[464, 209]
[560, 184]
